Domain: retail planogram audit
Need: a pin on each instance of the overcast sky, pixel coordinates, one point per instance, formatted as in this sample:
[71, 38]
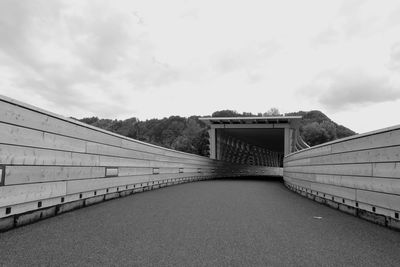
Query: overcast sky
[146, 59]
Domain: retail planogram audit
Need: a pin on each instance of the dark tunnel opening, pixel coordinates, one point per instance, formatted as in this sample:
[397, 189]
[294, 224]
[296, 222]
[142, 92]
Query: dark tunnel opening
[271, 139]
[259, 147]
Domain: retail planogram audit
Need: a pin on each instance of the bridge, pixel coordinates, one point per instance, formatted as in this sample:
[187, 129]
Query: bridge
[252, 207]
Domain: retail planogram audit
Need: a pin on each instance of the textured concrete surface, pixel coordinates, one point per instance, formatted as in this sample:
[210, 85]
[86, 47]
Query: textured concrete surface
[212, 223]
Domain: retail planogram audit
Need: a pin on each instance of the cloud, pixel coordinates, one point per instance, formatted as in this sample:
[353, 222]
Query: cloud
[77, 53]
[356, 19]
[394, 63]
[393, 18]
[327, 36]
[349, 7]
[344, 89]
[17, 21]
[125, 58]
[151, 72]
[192, 13]
[250, 58]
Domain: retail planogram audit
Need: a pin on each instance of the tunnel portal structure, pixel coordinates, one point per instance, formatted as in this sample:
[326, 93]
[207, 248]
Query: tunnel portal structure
[260, 141]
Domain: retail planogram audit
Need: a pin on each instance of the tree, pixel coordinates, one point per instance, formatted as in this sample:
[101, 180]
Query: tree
[248, 114]
[90, 120]
[272, 112]
[314, 134]
[225, 113]
[342, 131]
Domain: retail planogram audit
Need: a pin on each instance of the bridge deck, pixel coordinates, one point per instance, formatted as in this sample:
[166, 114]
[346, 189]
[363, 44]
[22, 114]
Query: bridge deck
[214, 223]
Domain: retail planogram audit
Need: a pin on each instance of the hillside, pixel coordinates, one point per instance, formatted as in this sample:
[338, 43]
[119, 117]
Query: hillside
[190, 134]
[316, 128]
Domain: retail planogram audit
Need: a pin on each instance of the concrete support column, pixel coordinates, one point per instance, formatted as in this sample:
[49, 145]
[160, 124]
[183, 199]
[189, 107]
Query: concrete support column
[292, 140]
[287, 141]
[218, 144]
[212, 139]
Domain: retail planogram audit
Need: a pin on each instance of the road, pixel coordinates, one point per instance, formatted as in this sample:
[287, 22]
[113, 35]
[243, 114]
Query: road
[209, 223]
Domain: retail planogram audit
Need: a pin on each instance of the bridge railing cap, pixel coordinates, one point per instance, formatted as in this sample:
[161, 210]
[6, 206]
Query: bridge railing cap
[247, 120]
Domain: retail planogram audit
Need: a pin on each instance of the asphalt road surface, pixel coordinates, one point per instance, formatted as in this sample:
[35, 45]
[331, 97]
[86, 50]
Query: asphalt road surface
[209, 223]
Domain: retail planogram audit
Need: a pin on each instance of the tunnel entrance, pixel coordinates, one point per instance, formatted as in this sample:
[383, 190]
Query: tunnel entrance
[271, 139]
[257, 147]
[257, 141]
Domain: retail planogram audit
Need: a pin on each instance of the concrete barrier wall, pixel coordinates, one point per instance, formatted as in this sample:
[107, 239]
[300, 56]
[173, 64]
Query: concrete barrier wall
[359, 174]
[50, 164]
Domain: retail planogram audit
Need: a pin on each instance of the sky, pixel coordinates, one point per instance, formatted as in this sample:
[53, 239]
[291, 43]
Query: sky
[153, 59]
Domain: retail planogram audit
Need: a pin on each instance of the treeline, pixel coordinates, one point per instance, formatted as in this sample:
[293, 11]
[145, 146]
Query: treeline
[179, 133]
[190, 134]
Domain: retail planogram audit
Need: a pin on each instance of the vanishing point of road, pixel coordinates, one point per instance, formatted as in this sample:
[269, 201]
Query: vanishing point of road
[209, 223]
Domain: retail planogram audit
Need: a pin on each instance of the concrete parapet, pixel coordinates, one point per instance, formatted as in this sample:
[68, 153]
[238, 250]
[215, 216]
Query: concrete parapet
[320, 200]
[6, 223]
[393, 223]
[94, 200]
[111, 196]
[361, 213]
[126, 193]
[70, 206]
[348, 209]
[375, 218]
[310, 196]
[358, 175]
[332, 204]
[34, 216]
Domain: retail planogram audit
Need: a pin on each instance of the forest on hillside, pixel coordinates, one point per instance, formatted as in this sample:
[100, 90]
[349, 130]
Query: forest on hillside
[190, 134]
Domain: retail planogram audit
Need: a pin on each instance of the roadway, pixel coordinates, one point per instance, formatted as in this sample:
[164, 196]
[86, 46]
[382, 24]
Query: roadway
[209, 223]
